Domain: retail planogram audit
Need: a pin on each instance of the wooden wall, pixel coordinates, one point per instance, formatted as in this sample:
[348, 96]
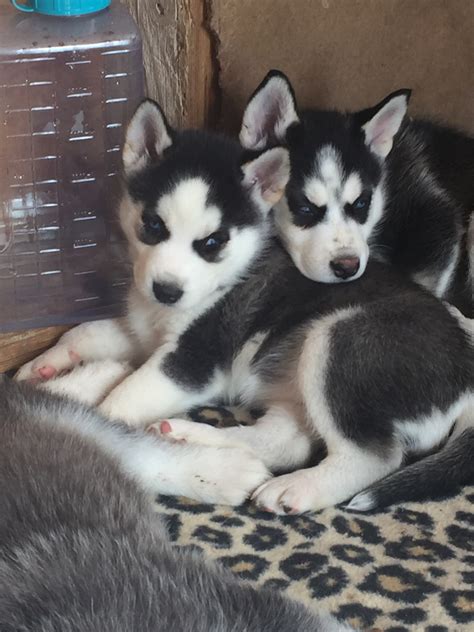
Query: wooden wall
[178, 58]
[349, 54]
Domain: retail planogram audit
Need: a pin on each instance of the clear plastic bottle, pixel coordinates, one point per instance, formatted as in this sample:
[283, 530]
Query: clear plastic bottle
[67, 89]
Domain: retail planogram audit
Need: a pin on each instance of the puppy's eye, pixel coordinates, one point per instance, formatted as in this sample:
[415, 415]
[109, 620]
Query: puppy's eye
[153, 230]
[212, 243]
[360, 204]
[215, 241]
[154, 223]
[210, 246]
[305, 210]
[306, 214]
[359, 209]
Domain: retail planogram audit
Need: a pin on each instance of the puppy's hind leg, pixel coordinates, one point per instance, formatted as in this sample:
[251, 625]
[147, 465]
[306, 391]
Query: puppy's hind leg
[349, 466]
[338, 477]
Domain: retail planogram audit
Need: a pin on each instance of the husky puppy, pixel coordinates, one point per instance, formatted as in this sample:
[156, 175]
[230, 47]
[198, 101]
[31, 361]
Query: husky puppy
[377, 368]
[81, 547]
[370, 182]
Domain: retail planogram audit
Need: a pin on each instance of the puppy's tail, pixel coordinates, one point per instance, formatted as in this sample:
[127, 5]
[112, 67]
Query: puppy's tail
[436, 475]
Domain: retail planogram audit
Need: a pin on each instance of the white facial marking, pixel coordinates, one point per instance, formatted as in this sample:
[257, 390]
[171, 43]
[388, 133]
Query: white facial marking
[185, 210]
[352, 188]
[316, 192]
[329, 167]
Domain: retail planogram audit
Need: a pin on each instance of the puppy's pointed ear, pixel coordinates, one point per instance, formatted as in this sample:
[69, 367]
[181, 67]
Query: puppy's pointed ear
[382, 122]
[267, 176]
[148, 135]
[269, 113]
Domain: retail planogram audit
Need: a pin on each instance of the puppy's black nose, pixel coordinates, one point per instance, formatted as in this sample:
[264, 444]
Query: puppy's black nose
[345, 267]
[167, 293]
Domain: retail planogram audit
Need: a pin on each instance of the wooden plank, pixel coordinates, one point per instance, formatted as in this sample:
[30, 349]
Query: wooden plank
[20, 347]
[178, 57]
[159, 26]
[201, 101]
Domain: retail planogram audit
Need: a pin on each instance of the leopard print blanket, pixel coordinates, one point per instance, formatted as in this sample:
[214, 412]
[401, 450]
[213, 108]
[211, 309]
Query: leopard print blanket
[410, 567]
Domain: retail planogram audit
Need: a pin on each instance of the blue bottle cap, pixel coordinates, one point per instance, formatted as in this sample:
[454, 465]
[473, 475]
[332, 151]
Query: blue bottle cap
[61, 7]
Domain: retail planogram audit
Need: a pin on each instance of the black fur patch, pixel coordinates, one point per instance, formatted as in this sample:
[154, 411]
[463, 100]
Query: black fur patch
[320, 129]
[196, 154]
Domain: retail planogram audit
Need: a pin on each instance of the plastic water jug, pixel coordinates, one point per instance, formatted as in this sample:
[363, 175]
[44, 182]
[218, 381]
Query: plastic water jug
[68, 86]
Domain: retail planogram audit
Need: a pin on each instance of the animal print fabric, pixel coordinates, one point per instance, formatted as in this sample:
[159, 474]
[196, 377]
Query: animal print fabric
[410, 567]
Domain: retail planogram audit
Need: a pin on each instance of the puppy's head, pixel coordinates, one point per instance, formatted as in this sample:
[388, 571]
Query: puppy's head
[194, 216]
[334, 197]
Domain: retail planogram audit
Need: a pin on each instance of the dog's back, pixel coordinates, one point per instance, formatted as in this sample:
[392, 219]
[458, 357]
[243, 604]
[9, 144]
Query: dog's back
[430, 202]
[82, 550]
[451, 155]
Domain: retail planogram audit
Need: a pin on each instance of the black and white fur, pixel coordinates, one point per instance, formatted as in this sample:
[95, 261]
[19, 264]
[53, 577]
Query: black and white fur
[377, 368]
[417, 197]
[81, 547]
[371, 182]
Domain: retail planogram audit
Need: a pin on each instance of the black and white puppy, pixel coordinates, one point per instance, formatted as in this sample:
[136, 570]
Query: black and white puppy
[370, 183]
[377, 368]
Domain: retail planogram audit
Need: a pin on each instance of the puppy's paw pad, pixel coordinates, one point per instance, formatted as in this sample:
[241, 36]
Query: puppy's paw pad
[46, 372]
[165, 427]
[49, 364]
[164, 430]
[184, 431]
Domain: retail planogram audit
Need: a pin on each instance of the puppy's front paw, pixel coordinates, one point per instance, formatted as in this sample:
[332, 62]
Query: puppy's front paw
[290, 494]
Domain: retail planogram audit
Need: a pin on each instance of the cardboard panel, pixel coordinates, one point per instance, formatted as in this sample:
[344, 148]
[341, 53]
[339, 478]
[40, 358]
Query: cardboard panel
[349, 53]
